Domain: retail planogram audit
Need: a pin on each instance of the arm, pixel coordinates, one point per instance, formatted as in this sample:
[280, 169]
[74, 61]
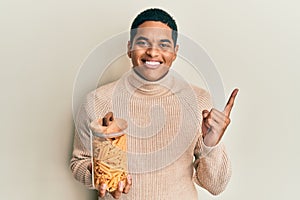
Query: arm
[81, 156]
[81, 159]
[213, 168]
[80, 163]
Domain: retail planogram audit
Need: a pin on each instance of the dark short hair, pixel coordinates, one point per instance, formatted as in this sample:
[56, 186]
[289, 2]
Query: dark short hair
[154, 14]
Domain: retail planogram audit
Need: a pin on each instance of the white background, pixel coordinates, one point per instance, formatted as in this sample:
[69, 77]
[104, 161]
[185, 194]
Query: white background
[255, 45]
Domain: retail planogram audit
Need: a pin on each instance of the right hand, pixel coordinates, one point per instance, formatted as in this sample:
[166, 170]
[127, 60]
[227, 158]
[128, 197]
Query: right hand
[122, 188]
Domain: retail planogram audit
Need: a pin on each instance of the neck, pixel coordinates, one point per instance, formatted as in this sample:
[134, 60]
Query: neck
[138, 85]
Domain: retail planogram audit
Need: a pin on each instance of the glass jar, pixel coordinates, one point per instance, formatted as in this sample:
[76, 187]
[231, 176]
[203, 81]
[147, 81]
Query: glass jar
[109, 159]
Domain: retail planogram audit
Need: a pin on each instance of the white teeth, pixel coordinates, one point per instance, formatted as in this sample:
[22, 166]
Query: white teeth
[152, 63]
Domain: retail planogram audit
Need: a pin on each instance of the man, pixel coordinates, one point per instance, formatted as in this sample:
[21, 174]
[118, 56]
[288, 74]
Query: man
[174, 133]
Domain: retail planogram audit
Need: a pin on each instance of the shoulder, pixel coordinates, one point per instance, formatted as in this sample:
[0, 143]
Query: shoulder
[203, 97]
[102, 93]
[200, 92]
[192, 92]
[98, 102]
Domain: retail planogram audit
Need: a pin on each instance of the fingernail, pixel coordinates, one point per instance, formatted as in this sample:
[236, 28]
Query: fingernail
[103, 187]
[128, 178]
[121, 185]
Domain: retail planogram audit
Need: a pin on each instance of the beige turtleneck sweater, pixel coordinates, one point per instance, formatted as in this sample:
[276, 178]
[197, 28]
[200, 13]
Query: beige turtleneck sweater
[166, 153]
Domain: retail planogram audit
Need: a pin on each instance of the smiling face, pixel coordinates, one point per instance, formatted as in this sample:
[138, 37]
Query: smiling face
[152, 50]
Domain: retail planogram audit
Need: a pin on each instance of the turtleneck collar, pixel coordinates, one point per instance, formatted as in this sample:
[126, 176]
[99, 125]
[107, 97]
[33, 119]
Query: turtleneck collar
[136, 84]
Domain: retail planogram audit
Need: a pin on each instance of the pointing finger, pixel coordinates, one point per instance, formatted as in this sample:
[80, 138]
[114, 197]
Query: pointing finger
[230, 102]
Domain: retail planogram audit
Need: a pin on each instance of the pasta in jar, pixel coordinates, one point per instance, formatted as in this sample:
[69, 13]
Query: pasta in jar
[109, 151]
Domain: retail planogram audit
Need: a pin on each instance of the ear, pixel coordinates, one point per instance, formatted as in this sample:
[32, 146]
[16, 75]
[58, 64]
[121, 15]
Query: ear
[175, 52]
[129, 49]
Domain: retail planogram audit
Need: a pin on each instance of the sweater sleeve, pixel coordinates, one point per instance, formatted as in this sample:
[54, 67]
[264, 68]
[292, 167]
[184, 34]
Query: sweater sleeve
[81, 156]
[80, 160]
[96, 104]
[213, 168]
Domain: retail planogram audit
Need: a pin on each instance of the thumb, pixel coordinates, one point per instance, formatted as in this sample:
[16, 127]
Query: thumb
[205, 114]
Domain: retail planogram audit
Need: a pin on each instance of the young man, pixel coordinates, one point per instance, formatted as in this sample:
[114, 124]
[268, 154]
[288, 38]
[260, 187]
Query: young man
[173, 134]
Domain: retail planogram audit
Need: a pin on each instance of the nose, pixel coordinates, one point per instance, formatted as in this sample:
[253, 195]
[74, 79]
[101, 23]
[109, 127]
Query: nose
[152, 51]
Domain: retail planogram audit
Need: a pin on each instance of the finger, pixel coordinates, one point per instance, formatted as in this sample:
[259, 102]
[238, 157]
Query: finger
[221, 119]
[217, 115]
[102, 190]
[206, 123]
[117, 193]
[212, 124]
[205, 114]
[230, 102]
[215, 133]
[128, 185]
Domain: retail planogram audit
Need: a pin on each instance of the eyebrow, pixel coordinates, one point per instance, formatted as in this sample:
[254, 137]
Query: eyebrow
[166, 40]
[144, 38]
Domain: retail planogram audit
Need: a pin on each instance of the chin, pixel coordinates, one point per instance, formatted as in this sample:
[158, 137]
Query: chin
[150, 74]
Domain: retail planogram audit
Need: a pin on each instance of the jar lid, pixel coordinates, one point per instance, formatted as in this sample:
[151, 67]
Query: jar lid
[108, 126]
[110, 135]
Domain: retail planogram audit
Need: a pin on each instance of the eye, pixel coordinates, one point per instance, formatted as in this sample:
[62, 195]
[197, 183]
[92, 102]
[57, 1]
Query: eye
[142, 43]
[165, 45]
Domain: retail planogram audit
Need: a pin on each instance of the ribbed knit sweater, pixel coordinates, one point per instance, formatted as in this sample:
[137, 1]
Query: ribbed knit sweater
[166, 153]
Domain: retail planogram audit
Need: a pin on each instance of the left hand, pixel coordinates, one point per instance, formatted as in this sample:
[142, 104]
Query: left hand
[122, 188]
[215, 122]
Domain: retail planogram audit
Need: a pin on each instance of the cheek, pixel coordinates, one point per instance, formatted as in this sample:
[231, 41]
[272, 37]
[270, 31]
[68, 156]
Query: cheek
[170, 57]
[136, 54]
[135, 57]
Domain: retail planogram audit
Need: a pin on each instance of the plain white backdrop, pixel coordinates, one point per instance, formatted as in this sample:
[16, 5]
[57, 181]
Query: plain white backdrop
[255, 45]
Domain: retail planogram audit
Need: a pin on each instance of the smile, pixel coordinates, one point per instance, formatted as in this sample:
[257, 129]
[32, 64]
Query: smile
[151, 64]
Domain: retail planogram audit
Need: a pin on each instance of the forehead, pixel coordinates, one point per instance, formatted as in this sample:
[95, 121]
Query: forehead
[154, 30]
